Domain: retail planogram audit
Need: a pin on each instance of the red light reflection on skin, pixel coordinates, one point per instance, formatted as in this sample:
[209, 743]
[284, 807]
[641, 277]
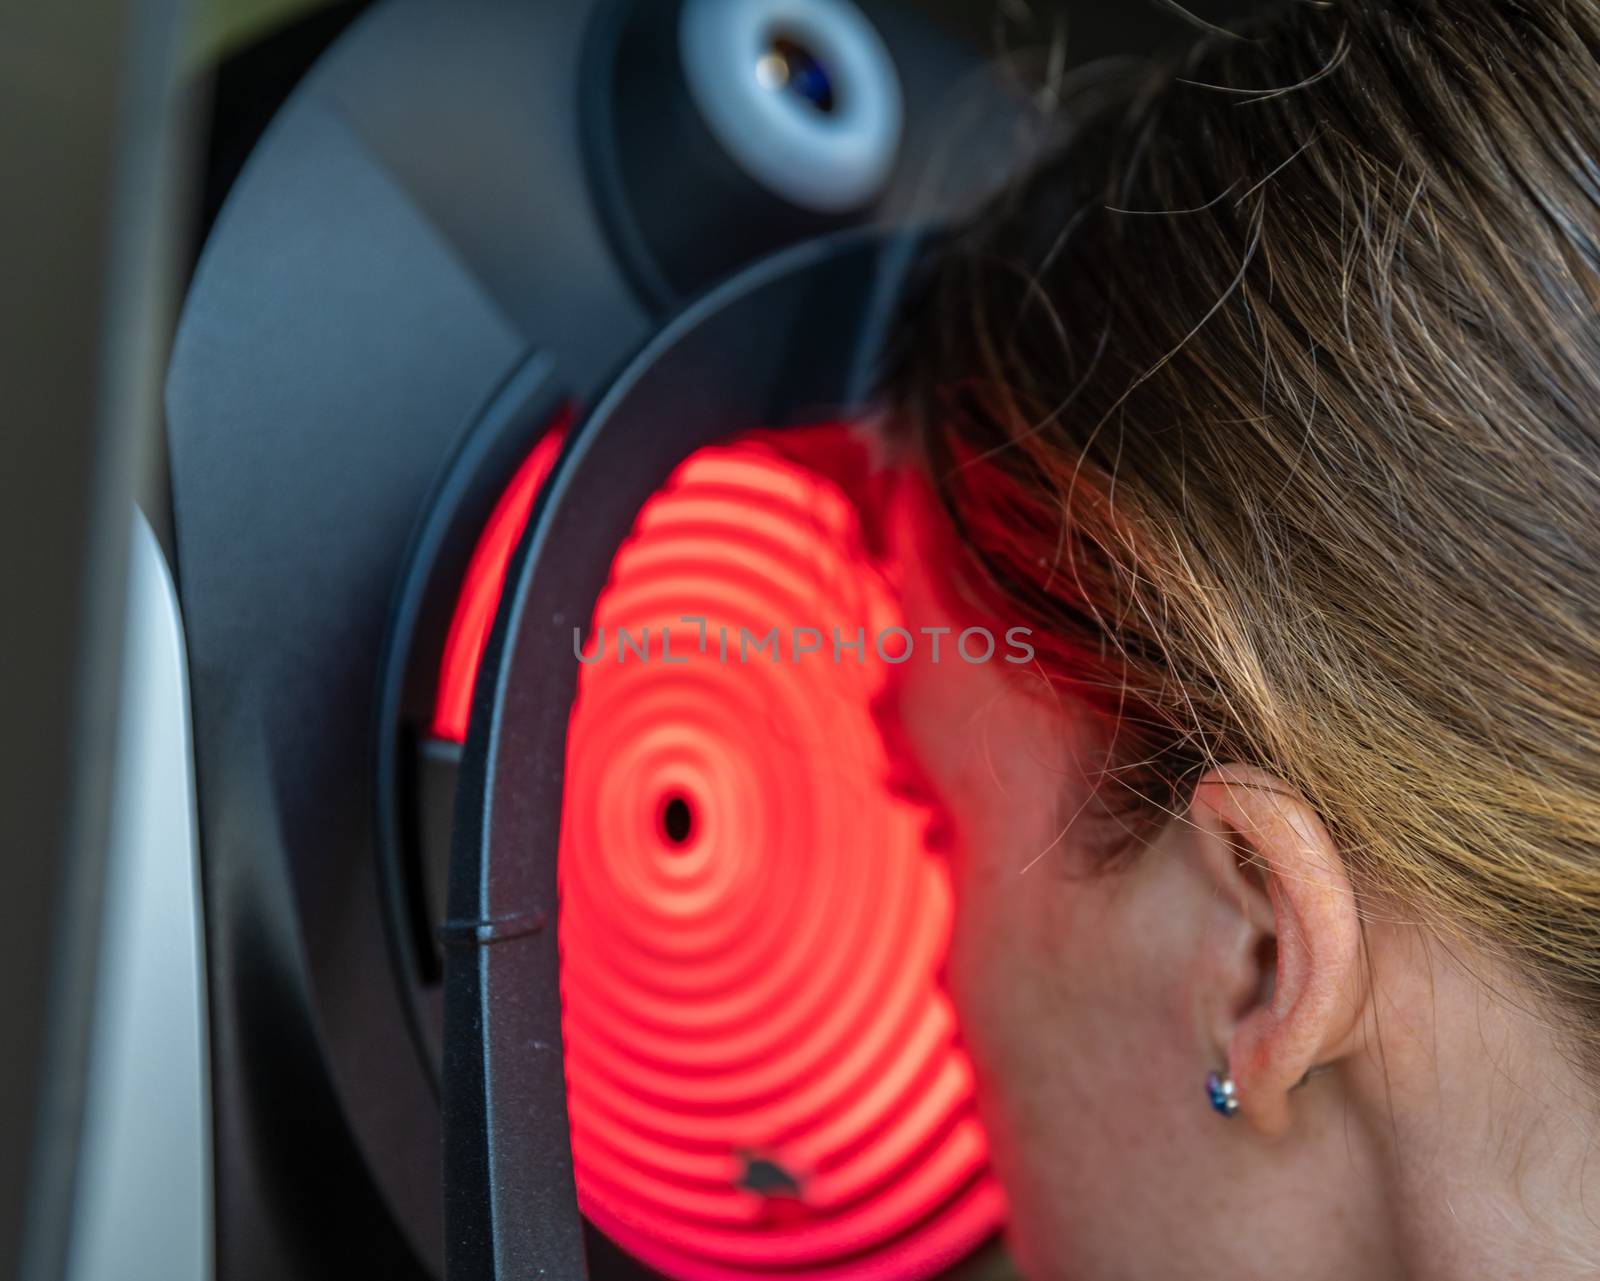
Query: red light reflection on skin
[764, 1074]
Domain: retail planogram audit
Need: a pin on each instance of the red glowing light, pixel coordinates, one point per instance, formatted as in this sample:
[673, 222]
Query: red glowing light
[764, 1076]
[480, 590]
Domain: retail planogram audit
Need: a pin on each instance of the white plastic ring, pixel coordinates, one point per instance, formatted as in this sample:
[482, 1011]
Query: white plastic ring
[827, 161]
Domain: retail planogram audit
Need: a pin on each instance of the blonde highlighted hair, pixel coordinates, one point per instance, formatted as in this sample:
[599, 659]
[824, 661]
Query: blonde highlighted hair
[1273, 399]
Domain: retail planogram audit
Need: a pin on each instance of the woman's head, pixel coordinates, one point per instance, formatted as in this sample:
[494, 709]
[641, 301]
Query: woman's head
[1272, 403]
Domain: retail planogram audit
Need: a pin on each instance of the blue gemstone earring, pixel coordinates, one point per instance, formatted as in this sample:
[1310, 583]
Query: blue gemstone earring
[1219, 1089]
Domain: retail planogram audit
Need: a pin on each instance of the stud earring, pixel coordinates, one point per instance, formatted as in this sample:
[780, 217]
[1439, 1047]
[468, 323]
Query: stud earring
[1219, 1089]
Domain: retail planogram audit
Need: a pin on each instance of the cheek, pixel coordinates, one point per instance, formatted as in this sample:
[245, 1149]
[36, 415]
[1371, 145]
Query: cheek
[976, 742]
[1008, 966]
[991, 976]
[1066, 1002]
[1019, 956]
[1000, 964]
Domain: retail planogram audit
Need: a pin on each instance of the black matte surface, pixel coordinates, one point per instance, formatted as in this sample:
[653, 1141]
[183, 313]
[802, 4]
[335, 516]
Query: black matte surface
[404, 237]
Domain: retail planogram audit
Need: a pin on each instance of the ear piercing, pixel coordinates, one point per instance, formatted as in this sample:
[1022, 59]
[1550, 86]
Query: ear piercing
[1219, 1089]
[1225, 1098]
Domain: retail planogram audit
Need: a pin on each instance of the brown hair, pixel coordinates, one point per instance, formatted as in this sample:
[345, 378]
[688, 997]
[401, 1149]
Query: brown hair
[1273, 399]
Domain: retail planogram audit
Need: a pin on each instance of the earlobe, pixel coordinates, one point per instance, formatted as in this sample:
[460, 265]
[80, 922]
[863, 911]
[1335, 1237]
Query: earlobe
[1288, 984]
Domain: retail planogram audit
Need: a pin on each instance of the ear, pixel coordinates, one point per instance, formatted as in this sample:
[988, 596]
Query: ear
[1284, 987]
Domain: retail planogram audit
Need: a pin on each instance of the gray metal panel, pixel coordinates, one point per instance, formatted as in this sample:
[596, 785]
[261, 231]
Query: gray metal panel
[85, 144]
[143, 1205]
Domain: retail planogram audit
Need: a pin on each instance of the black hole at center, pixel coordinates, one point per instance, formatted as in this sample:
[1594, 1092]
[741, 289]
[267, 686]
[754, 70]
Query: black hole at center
[677, 820]
[803, 73]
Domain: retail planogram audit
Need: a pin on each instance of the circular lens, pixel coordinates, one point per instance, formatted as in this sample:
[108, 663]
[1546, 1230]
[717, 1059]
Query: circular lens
[790, 65]
[804, 97]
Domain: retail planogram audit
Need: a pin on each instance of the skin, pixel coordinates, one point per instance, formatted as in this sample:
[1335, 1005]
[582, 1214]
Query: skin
[1442, 1134]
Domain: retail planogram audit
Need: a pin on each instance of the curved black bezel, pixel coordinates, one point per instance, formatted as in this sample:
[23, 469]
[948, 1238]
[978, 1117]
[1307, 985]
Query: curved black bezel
[791, 340]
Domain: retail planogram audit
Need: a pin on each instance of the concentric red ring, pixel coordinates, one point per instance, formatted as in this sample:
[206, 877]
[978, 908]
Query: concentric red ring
[764, 1074]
